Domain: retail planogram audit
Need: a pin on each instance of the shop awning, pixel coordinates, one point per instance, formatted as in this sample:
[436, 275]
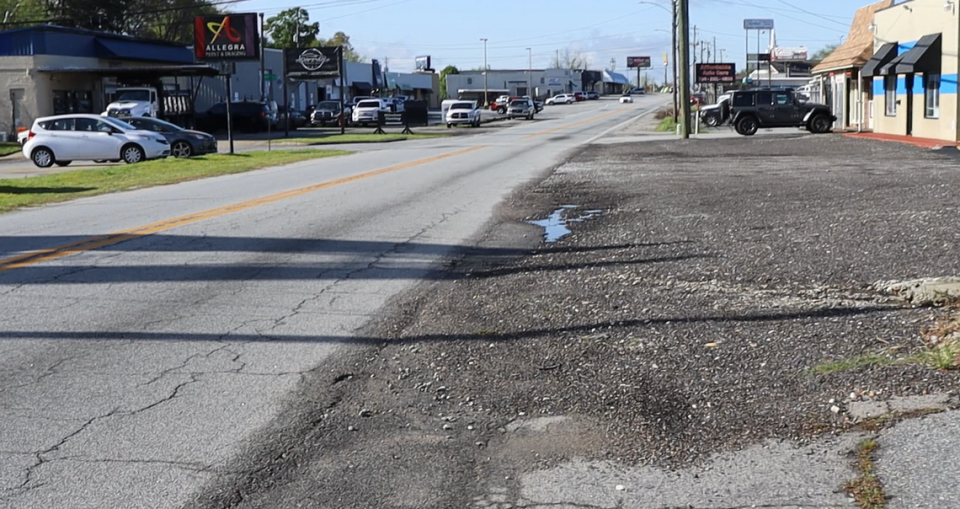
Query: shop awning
[361, 85]
[138, 73]
[136, 50]
[890, 69]
[882, 57]
[924, 57]
[405, 88]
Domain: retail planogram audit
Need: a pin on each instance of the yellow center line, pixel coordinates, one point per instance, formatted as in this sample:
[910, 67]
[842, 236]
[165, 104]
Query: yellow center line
[90, 243]
[568, 126]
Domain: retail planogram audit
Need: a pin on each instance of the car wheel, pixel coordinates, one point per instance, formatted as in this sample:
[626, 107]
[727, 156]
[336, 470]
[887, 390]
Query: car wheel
[449, 126]
[42, 157]
[747, 126]
[63, 163]
[711, 120]
[181, 149]
[132, 154]
[820, 124]
[501, 110]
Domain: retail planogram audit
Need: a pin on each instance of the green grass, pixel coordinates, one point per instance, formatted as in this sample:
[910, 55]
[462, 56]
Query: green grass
[852, 363]
[334, 139]
[57, 187]
[866, 488]
[667, 125]
[9, 148]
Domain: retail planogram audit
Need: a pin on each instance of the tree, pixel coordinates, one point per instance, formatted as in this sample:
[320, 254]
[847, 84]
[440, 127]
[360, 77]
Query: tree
[342, 39]
[292, 29]
[570, 59]
[16, 13]
[824, 52]
[446, 71]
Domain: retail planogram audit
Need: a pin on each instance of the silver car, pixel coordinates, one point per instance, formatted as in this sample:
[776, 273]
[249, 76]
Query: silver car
[521, 108]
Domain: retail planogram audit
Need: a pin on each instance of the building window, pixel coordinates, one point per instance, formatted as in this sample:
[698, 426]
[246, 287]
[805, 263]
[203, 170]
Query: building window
[890, 94]
[469, 81]
[931, 92]
[541, 80]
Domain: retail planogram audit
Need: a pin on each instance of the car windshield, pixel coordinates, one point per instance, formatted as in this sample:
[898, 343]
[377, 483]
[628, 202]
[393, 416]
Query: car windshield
[369, 104]
[134, 95]
[462, 106]
[118, 123]
[169, 127]
[328, 105]
[519, 103]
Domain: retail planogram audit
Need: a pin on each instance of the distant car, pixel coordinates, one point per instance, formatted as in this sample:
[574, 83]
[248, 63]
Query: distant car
[22, 136]
[592, 96]
[578, 96]
[538, 105]
[463, 112]
[626, 99]
[522, 108]
[246, 116]
[327, 113]
[396, 104]
[716, 114]
[297, 118]
[183, 142]
[63, 139]
[561, 99]
[368, 111]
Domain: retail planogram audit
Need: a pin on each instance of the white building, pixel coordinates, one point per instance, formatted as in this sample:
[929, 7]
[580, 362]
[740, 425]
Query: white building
[535, 82]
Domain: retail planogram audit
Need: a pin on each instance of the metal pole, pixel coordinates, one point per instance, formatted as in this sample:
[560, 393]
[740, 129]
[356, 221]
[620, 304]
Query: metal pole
[684, 35]
[229, 100]
[676, 83]
[485, 92]
[746, 52]
[343, 105]
[530, 72]
[263, 86]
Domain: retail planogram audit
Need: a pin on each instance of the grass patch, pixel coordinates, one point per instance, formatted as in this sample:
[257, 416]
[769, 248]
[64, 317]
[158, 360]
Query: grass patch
[667, 125]
[7, 148]
[334, 139]
[859, 361]
[58, 187]
[866, 488]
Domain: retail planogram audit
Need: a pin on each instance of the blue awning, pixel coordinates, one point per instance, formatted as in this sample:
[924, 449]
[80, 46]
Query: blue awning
[615, 77]
[136, 50]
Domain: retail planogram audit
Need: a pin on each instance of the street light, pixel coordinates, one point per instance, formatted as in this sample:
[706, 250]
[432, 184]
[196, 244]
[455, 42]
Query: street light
[484, 71]
[530, 72]
[673, 48]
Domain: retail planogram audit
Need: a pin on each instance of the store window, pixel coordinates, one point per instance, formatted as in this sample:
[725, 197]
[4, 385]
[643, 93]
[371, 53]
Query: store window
[72, 101]
[931, 92]
[890, 95]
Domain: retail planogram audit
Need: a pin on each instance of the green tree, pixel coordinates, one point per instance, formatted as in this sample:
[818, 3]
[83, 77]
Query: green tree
[341, 39]
[823, 52]
[17, 13]
[446, 71]
[292, 29]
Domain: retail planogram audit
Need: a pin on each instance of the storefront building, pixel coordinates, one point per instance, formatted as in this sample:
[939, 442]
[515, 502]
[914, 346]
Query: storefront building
[914, 69]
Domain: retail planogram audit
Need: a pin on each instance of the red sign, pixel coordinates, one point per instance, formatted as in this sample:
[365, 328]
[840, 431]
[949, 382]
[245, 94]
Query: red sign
[226, 37]
[716, 73]
[641, 62]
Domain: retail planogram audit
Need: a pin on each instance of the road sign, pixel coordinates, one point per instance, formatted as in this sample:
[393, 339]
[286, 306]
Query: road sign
[716, 73]
[758, 57]
[758, 24]
[269, 76]
[638, 62]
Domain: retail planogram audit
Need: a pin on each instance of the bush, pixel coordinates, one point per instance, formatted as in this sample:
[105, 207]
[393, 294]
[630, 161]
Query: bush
[663, 113]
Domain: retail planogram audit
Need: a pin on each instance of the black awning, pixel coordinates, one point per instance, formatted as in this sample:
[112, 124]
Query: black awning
[144, 73]
[924, 57]
[882, 57]
[890, 69]
[361, 85]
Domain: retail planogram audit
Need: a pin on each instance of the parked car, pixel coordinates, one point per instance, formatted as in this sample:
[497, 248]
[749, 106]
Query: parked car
[538, 105]
[755, 109]
[63, 139]
[183, 142]
[561, 99]
[297, 118]
[522, 108]
[578, 97]
[500, 104]
[368, 111]
[328, 113]
[395, 104]
[698, 98]
[626, 99]
[356, 100]
[246, 116]
[592, 96]
[716, 114]
[463, 112]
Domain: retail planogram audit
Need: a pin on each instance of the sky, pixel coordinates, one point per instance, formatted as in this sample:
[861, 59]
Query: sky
[605, 31]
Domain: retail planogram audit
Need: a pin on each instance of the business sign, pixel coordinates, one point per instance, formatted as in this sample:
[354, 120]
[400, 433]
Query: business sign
[716, 73]
[758, 57]
[422, 63]
[666, 58]
[789, 54]
[639, 62]
[312, 63]
[553, 81]
[226, 37]
[758, 24]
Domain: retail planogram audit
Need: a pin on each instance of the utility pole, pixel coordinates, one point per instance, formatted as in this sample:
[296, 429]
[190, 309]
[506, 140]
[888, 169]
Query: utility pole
[676, 83]
[484, 71]
[530, 72]
[683, 11]
[263, 85]
[714, 49]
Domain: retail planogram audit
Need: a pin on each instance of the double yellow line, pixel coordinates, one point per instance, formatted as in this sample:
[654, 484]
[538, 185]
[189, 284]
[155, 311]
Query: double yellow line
[575, 124]
[99, 241]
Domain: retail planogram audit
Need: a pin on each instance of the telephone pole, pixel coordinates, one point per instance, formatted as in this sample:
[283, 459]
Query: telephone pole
[683, 12]
[676, 84]
[484, 102]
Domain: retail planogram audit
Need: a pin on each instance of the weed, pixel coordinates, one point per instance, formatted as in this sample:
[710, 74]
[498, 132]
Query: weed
[667, 125]
[870, 359]
[866, 488]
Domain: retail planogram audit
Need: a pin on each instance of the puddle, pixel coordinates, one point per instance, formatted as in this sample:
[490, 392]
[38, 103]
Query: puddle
[555, 226]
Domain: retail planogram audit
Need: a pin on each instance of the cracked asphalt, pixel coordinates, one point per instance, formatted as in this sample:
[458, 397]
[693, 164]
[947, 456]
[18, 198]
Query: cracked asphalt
[142, 373]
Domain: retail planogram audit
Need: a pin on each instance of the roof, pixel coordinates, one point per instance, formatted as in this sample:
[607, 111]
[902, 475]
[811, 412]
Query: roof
[79, 42]
[882, 57]
[615, 77]
[139, 72]
[857, 49]
[923, 57]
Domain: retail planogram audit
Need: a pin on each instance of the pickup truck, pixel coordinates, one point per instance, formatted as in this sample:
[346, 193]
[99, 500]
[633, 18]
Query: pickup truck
[463, 112]
[175, 106]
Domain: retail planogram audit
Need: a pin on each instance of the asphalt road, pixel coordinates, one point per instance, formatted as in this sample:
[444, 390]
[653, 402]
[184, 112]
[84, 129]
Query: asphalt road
[146, 336]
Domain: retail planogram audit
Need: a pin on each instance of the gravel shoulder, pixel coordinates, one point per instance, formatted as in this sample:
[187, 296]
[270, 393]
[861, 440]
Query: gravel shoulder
[676, 330]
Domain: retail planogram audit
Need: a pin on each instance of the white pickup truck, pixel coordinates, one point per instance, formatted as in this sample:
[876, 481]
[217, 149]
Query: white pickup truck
[148, 102]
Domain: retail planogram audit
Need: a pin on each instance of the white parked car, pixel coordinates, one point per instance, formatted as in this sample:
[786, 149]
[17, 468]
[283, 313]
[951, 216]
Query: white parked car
[463, 112]
[562, 99]
[368, 111]
[63, 139]
[626, 99]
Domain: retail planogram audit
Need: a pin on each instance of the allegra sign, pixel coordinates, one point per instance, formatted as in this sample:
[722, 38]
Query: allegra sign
[226, 37]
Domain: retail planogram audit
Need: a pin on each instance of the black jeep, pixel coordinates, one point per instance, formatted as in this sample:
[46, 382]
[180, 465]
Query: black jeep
[753, 109]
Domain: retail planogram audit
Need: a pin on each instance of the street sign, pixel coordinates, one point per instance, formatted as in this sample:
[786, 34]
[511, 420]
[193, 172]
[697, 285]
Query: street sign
[269, 76]
[716, 73]
[312, 63]
[638, 62]
[758, 24]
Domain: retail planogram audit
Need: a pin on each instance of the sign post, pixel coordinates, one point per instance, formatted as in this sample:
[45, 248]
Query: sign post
[638, 63]
[315, 63]
[759, 25]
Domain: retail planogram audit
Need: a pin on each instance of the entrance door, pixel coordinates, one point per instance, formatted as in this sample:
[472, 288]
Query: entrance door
[16, 118]
[909, 80]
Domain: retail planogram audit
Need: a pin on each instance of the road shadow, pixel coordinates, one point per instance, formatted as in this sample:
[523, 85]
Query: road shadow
[43, 190]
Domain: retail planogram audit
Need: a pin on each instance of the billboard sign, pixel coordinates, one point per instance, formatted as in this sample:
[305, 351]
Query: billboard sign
[310, 63]
[789, 54]
[716, 73]
[226, 37]
[758, 24]
[638, 62]
[422, 63]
